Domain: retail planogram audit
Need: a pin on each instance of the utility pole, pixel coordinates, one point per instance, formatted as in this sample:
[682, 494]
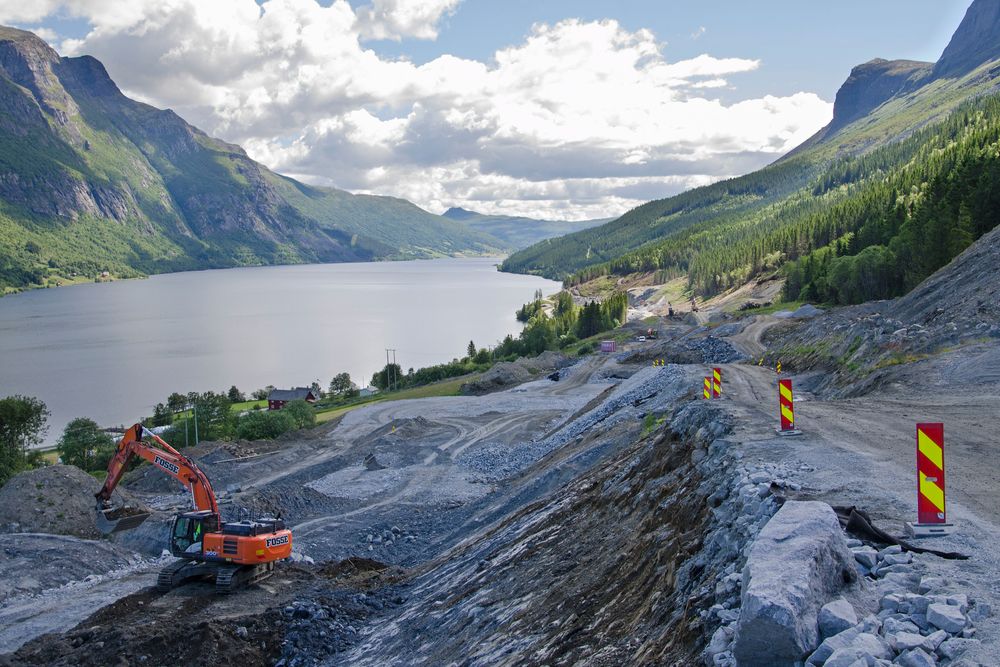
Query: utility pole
[391, 381]
[395, 375]
[194, 406]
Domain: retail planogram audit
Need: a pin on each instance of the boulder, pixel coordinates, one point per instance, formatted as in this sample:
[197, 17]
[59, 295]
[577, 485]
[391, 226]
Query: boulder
[835, 617]
[797, 563]
[916, 658]
[948, 618]
[955, 647]
[866, 556]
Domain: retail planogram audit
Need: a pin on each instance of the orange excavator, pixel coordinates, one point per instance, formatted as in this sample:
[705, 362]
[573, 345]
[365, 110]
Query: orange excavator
[234, 553]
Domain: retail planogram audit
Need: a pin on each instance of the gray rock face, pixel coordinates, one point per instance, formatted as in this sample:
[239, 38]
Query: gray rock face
[797, 563]
[948, 618]
[975, 41]
[835, 617]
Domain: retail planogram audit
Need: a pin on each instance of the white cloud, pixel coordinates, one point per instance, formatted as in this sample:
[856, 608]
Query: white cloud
[579, 119]
[699, 32]
[395, 19]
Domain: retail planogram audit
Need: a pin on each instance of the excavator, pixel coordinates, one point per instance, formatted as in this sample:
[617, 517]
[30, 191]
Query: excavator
[234, 553]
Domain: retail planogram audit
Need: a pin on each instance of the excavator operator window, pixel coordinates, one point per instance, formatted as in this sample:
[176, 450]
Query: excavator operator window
[183, 536]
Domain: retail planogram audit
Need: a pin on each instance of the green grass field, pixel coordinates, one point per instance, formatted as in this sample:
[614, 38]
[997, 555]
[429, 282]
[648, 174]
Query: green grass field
[444, 388]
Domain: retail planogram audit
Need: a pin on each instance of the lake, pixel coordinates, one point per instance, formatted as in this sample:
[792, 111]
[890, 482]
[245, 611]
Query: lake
[112, 351]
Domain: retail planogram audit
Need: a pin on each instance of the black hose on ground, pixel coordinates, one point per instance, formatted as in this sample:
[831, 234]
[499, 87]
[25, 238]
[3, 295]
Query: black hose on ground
[857, 522]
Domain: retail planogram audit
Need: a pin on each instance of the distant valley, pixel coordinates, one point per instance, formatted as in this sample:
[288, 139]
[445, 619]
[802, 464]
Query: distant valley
[92, 181]
[519, 232]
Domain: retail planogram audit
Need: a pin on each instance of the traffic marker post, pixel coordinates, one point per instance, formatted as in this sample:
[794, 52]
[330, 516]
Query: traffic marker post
[708, 388]
[786, 408]
[716, 383]
[931, 516]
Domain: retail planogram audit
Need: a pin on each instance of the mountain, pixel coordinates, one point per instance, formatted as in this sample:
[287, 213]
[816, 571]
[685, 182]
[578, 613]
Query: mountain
[91, 180]
[518, 232]
[724, 234]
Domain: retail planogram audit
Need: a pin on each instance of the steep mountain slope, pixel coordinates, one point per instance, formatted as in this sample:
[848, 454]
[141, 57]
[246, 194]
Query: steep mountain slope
[694, 233]
[519, 232]
[91, 180]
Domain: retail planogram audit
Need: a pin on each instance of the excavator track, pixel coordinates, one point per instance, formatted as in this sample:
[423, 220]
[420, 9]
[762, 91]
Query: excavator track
[232, 577]
[180, 571]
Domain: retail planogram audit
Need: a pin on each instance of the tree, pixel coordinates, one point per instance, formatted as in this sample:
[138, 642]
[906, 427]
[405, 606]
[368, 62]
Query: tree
[235, 395]
[22, 424]
[340, 384]
[176, 402]
[264, 425]
[471, 349]
[212, 414]
[162, 416]
[388, 376]
[83, 444]
[316, 389]
[301, 413]
[261, 394]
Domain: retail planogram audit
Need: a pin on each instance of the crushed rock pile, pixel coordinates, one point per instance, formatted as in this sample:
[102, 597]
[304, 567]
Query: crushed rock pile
[56, 499]
[509, 373]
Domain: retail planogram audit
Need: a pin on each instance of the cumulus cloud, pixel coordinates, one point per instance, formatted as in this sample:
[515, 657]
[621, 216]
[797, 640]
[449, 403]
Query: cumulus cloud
[579, 119]
[395, 19]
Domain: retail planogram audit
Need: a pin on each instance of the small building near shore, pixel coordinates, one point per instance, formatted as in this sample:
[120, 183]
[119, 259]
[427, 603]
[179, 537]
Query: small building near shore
[367, 392]
[278, 397]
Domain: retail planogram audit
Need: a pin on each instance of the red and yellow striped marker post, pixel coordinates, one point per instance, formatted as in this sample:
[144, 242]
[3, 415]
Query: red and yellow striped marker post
[786, 407]
[708, 388]
[931, 517]
[716, 383]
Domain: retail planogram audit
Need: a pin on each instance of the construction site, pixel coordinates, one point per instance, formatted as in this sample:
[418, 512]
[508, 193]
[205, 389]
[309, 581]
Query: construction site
[598, 512]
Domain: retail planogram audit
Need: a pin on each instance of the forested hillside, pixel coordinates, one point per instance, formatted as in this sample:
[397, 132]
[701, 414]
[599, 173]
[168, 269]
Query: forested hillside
[898, 183]
[93, 181]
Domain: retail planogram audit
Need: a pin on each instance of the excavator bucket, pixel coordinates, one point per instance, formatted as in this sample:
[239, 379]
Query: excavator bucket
[118, 519]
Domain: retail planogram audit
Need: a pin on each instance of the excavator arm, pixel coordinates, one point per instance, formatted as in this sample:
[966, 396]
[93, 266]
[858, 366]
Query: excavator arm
[162, 456]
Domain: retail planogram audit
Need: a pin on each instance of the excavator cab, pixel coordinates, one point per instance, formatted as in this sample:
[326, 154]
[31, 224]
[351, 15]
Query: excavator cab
[188, 532]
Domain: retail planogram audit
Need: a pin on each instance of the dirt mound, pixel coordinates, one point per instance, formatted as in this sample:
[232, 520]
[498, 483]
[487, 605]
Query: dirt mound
[509, 373]
[504, 374]
[56, 499]
[403, 428]
[113, 636]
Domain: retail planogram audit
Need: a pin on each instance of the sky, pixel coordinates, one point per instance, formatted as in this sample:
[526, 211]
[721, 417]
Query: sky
[557, 109]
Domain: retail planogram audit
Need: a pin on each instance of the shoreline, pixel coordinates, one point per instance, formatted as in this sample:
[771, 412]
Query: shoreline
[12, 291]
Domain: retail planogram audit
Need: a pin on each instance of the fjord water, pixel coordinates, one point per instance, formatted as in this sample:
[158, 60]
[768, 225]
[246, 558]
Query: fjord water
[111, 351]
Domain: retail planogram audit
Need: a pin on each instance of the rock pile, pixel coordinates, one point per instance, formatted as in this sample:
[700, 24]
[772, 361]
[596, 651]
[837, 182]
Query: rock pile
[790, 609]
[56, 499]
[921, 622]
[798, 562]
[510, 373]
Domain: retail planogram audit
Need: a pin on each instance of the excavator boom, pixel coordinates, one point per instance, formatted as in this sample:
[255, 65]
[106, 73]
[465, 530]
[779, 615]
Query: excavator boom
[164, 457]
